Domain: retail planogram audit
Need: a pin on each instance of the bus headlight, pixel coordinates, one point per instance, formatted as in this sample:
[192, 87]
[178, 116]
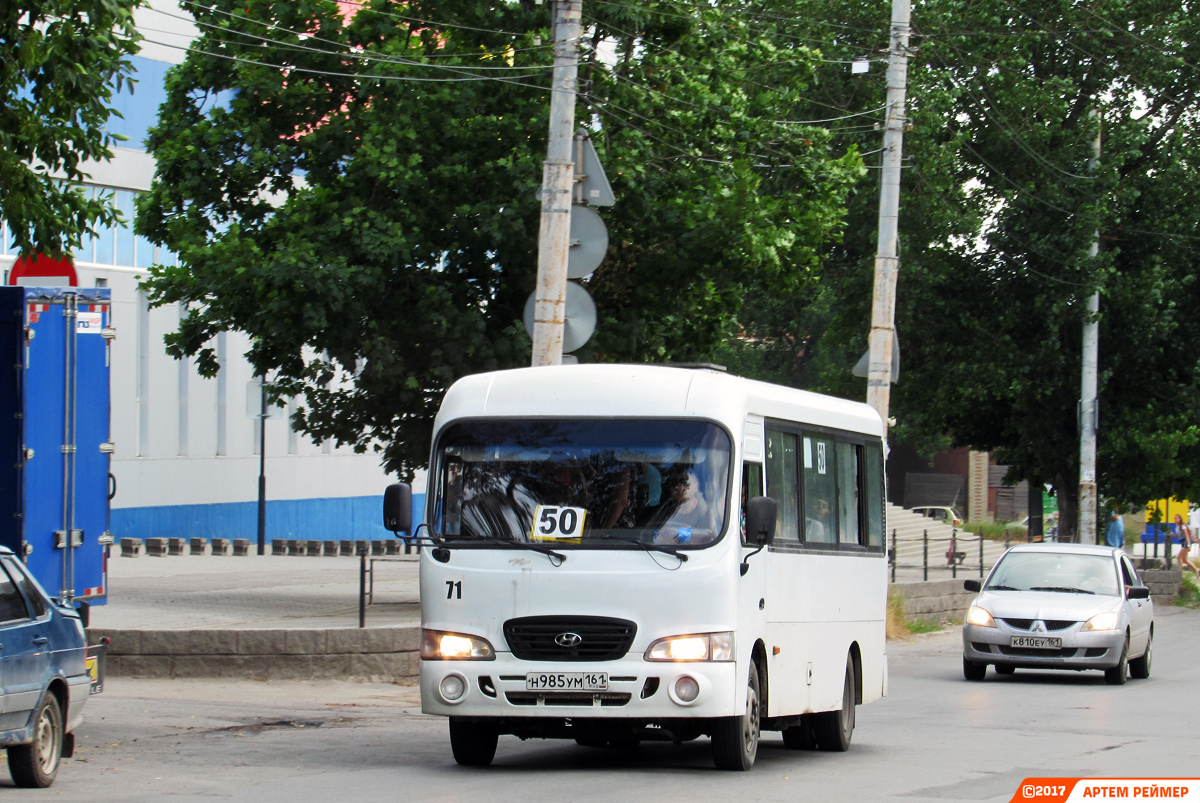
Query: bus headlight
[438, 645]
[695, 647]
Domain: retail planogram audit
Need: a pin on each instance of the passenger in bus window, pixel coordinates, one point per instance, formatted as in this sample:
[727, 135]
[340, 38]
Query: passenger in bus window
[816, 526]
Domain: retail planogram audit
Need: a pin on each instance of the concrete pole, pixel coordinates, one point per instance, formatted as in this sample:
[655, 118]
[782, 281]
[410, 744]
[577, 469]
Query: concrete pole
[1088, 517]
[887, 260]
[558, 174]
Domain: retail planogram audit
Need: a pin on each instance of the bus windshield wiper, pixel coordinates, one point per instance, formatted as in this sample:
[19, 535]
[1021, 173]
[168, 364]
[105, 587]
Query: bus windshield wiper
[556, 558]
[625, 539]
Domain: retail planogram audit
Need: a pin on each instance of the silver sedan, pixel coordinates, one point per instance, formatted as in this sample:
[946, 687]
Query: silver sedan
[1060, 606]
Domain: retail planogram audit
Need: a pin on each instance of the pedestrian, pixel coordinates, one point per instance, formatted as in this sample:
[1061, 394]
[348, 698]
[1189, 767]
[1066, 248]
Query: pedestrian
[1116, 531]
[1183, 534]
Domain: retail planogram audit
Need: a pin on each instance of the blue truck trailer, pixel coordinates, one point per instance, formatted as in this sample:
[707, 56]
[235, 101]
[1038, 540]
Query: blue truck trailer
[54, 437]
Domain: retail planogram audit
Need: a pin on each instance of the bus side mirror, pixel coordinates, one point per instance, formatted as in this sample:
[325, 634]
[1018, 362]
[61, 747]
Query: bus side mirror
[761, 512]
[397, 508]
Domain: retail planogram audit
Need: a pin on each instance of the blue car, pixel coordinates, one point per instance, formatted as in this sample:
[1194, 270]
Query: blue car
[46, 675]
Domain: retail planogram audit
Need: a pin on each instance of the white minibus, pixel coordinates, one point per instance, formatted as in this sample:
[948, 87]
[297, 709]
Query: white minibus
[620, 553]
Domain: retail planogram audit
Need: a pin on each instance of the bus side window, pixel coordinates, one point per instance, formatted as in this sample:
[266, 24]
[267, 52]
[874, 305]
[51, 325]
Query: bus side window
[871, 474]
[782, 485]
[847, 482]
[820, 491]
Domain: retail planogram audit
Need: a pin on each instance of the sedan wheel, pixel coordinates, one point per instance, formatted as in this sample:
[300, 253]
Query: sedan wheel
[974, 671]
[35, 764]
[1140, 667]
[1119, 673]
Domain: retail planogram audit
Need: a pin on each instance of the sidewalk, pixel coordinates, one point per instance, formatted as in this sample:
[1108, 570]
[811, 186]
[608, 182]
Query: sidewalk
[264, 618]
[261, 592]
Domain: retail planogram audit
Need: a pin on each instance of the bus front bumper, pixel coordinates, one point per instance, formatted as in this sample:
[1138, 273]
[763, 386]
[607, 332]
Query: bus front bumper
[628, 688]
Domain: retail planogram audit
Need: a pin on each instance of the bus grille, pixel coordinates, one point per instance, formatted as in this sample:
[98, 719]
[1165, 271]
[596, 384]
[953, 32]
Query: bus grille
[550, 638]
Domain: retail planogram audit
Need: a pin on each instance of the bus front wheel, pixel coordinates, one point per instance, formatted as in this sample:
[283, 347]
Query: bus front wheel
[834, 729]
[473, 743]
[735, 739]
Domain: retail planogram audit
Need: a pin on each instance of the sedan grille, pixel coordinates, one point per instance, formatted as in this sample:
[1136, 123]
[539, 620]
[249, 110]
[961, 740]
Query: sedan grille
[1026, 624]
[569, 638]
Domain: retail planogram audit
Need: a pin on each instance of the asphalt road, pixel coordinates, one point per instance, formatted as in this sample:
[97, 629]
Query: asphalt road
[935, 737]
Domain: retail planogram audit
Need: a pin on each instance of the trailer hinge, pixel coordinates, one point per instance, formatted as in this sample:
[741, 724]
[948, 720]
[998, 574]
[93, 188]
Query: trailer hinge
[68, 448]
[60, 541]
[108, 447]
[105, 539]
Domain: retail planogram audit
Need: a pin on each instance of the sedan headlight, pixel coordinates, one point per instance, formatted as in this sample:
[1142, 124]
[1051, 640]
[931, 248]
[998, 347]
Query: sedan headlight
[696, 647]
[438, 645]
[979, 616]
[1109, 620]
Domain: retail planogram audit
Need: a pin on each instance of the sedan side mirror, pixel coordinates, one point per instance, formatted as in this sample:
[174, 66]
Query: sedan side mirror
[1139, 592]
[397, 508]
[761, 512]
[972, 585]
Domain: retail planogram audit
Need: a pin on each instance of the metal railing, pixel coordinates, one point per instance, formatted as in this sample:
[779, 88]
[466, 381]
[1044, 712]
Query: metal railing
[939, 555]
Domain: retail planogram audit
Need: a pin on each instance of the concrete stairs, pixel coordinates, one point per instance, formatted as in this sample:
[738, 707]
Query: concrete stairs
[921, 547]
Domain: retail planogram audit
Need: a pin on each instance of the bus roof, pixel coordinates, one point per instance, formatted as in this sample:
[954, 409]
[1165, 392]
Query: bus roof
[645, 391]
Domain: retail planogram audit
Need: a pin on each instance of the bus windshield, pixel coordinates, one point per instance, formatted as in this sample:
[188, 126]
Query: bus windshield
[585, 481]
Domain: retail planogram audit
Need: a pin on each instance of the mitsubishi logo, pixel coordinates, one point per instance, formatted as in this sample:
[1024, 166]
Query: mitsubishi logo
[568, 639]
[1038, 627]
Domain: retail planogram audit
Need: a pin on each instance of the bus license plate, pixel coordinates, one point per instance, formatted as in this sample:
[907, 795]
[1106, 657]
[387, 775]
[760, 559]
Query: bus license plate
[1037, 642]
[566, 681]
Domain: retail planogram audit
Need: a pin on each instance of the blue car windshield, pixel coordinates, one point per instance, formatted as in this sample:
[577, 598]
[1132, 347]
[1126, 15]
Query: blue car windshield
[582, 481]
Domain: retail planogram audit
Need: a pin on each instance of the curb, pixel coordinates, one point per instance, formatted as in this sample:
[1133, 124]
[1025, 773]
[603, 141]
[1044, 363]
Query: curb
[384, 654]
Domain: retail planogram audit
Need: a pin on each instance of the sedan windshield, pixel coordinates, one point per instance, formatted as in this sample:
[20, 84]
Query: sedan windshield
[1056, 571]
[595, 481]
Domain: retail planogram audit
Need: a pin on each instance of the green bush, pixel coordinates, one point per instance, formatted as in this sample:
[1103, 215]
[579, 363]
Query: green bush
[994, 530]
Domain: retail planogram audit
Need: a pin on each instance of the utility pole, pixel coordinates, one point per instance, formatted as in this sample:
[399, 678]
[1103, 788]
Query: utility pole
[1088, 519]
[887, 260]
[558, 176]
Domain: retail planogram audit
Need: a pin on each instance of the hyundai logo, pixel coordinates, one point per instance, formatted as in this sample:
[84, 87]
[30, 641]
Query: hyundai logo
[568, 639]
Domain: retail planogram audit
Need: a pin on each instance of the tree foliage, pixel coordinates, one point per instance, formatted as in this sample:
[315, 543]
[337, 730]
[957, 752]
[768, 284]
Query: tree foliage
[360, 195]
[1000, 205]
[60, 63]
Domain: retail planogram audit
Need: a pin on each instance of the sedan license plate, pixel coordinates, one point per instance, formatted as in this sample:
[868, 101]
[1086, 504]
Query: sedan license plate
[566, 681]
[1036, 642]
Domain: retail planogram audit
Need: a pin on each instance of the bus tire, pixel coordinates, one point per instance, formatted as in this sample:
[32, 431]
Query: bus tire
[735, 739]
[835, 729]
[473, 743]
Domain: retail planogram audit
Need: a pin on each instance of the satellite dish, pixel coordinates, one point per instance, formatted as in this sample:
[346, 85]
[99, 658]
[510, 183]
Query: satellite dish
[579, 319]
[589, 242]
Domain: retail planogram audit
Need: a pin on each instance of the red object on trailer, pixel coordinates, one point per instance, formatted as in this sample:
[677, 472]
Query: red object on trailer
[46, 270]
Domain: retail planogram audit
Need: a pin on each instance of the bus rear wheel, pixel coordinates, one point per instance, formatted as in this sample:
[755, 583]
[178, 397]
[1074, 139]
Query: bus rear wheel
[473, 743]
[735, 739]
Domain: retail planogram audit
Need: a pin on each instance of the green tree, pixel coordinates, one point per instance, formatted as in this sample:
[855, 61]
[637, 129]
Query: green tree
[1000, 206]
[60, 63]
[360, 196]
